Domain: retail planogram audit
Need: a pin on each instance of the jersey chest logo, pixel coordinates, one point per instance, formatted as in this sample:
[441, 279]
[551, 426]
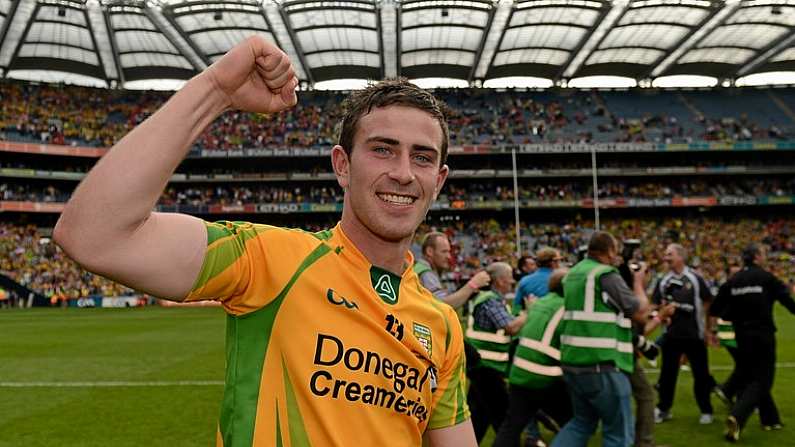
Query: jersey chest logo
[385, 284]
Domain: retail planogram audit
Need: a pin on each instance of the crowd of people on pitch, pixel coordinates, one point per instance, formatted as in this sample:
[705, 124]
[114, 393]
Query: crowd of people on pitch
[541, 348]
[197, 194]
[72, 115]
[34, 261]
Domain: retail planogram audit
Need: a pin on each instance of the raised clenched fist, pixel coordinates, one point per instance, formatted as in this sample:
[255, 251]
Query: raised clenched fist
[256, 76]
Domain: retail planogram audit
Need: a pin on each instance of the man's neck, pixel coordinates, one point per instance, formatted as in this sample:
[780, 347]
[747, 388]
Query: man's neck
[678, 270]
[389, 255]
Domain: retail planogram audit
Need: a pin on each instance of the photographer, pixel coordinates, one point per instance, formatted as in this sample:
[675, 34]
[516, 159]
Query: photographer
[642, 390]
[596, 352]
[685, 334]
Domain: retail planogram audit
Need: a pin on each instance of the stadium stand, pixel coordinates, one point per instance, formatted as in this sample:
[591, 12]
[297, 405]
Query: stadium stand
[94, 117]
[720, 169]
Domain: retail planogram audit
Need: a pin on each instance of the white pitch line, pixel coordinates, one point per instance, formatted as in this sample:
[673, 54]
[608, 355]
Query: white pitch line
[110, 384]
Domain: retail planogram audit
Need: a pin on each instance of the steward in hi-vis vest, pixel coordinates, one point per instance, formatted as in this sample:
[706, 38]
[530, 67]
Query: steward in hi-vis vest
[536, 362]
[489, 329]
[536, 379]
[593, 332]
[493, 344]
[596, 352]
[726, 334]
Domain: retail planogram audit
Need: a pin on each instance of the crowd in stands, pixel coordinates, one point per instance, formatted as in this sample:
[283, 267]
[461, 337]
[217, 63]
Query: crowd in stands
[261, 193]
[30, 258]
[34, 261]
[60, 114]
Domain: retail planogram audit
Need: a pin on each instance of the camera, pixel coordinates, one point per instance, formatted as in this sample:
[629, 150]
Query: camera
[646, 347]
[631, 261]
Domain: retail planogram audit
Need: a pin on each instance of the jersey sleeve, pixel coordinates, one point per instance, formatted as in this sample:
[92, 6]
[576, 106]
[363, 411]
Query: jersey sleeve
[243, 264]
[225, 270]
[449, 406]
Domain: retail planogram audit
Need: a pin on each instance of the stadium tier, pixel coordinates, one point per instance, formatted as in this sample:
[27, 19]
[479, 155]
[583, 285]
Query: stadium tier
[658, 155]
[95, 117]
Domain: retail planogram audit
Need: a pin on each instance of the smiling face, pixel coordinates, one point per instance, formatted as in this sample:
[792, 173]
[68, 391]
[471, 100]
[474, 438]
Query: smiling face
[393, 173]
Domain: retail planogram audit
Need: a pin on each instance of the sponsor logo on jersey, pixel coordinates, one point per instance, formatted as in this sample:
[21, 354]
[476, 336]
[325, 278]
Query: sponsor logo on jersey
[423, 334]
[335, 298]
[385, 284]
[377, 380]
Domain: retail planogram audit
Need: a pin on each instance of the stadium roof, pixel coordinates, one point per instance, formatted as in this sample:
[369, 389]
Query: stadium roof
[118, 41]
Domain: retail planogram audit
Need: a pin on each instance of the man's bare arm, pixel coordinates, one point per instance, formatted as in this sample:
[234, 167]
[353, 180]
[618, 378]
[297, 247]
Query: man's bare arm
[461, 435]
[108, 225]
[460, 297]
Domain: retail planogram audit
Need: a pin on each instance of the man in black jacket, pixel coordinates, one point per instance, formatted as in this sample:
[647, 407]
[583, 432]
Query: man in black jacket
[746, 300]
[685, 335]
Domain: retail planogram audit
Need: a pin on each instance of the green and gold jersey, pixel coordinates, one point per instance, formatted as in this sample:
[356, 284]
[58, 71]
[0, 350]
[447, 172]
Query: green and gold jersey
[325, 349]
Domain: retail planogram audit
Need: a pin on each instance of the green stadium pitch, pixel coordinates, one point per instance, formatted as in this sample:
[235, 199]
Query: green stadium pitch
[154, 376]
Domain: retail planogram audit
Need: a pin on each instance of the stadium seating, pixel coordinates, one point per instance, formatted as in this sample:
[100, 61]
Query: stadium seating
[32, 260]
[95, 117]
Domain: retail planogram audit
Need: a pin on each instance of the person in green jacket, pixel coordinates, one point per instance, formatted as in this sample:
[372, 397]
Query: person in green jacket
[535, 377]
[596, 351]
[489, 329]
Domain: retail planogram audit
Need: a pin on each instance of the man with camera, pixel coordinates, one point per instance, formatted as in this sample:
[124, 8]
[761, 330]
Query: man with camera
[596, 345]
[686, 333]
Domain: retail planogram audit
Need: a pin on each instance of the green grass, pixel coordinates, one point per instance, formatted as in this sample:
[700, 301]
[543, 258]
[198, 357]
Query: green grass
[170, 345]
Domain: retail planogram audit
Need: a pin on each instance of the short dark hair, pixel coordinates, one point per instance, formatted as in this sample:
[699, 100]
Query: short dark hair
[556, 280]
[386, 93]
[523, 260]
[429, 241]
[601, 243]
[750, 252]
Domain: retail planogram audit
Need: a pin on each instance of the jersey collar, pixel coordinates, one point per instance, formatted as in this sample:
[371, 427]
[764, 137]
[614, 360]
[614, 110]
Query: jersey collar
[349, 250]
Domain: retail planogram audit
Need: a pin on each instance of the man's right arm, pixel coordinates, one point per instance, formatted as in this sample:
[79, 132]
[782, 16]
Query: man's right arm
[430, 281]
[108, 225]
[633, 303]
[782, 294]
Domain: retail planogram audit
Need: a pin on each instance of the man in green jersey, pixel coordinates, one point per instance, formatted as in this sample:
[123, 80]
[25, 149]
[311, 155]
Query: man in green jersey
[596, 345]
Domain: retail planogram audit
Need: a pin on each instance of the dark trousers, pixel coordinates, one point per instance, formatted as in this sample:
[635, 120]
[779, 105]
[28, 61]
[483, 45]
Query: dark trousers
[756, 367]
[487, 399]
[696, 353]
[643, 393]
[731, 387]
[523, 405]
